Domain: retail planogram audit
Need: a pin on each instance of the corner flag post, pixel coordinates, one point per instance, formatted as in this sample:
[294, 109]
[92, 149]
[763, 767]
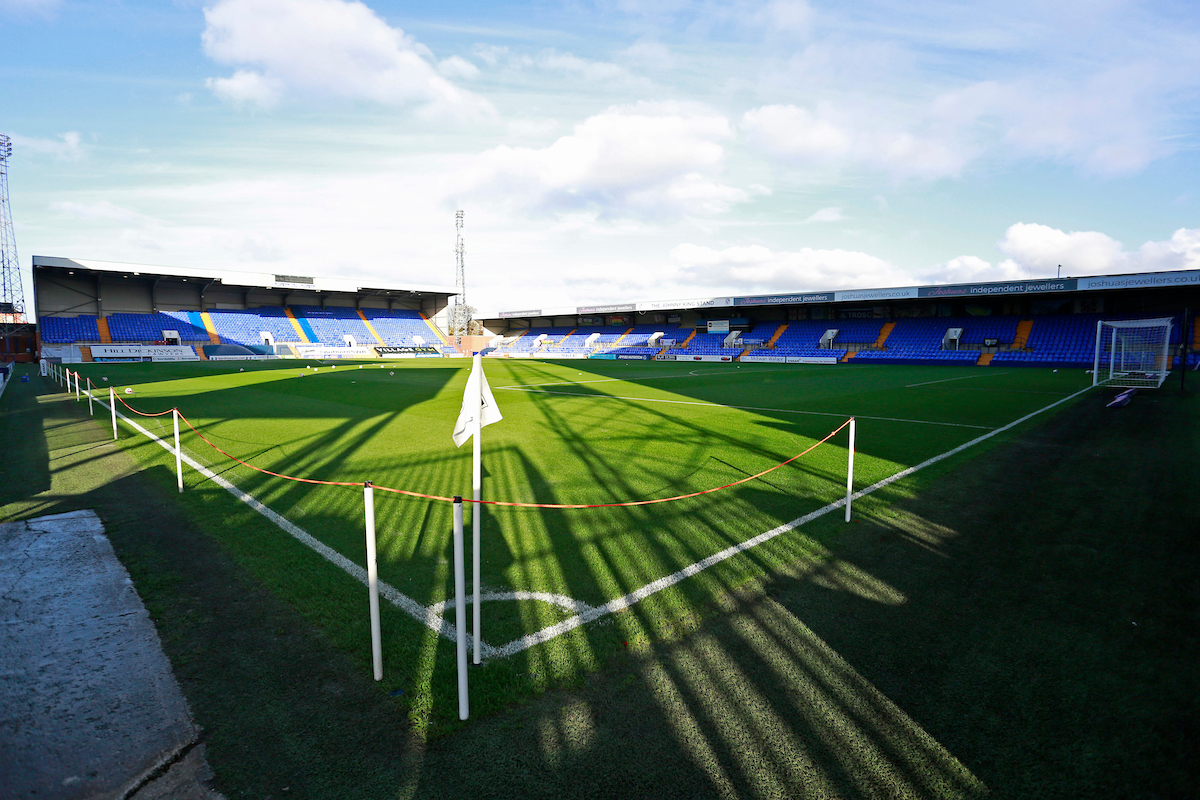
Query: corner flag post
[112, 406]
[478, 410]
[476, 511]
[460, 622]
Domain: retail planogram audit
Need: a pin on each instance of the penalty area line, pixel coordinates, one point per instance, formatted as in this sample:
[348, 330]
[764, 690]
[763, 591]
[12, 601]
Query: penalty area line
[637, 595]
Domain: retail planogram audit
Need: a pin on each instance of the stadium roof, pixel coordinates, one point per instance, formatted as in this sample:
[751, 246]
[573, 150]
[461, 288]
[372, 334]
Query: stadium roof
[1141, 280]
[267, 280]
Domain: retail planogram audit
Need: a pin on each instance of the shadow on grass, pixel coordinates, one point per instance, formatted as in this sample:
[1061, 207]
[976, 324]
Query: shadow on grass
[24, 425]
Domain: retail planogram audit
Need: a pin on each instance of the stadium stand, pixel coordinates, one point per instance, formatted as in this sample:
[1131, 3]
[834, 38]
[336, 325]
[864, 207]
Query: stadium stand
[245, 327]
[69, 330]
[401, 327]
[150, 327]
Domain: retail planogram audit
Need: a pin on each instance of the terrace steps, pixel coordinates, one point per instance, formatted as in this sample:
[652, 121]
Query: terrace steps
[617, 343]
[102, 326]
[300, 334]
[884, 333]
[441, 336]
[849, 355]
[200, 352]
[370, 327]
[691, 336]
[564, 338]
[207, 319]
[984, 359]
[85, 352]
[775, 337]
[1021, 340]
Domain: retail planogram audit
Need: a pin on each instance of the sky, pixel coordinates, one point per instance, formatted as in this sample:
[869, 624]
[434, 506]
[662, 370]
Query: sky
[608, 151]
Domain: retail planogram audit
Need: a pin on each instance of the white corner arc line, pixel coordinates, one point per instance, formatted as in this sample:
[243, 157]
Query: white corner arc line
[546, 634]
[560, 600]
[748, 408]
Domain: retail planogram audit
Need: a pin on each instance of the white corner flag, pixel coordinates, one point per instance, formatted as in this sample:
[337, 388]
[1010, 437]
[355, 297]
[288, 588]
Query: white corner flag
[478, 409]
[477, 402]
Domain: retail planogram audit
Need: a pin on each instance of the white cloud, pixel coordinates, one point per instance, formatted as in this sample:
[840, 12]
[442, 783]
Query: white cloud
[971, 269]
[653, 55]
[786, 16]
[795, 134]
[41, 8]
[756, 268]
[458, 67]
[326, 47]
[99, 210]
[67, 147]
[1040, 249]
[651, 159]
[248, 88]
[830, 214]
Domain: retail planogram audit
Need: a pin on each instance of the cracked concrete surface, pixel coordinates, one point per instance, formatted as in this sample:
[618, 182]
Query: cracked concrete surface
[89, 707]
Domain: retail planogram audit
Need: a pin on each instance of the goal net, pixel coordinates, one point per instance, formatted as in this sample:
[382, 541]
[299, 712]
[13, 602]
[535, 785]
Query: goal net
[1132, 353]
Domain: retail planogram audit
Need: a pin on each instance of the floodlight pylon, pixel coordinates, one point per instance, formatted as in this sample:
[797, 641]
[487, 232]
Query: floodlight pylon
[12, 290]
[461, 314]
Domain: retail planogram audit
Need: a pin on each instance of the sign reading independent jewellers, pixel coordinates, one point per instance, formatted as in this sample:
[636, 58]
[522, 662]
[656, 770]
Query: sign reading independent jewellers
[785, 299]
[1008, 287]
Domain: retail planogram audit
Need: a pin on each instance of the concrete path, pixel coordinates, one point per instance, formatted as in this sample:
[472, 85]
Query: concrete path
[88, 705]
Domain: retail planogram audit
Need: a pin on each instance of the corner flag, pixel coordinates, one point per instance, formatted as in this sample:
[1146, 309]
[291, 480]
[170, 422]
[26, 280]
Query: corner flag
[477, 402]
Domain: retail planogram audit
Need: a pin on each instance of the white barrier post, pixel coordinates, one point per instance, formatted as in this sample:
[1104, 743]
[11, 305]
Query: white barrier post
[850, 471]
[89, 394]
[460, 621]
[373, 581]
[112, 405]
[178, 458]
[76, 386]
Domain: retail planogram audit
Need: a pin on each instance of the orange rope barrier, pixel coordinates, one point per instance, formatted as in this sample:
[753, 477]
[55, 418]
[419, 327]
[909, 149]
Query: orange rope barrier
[504, 503]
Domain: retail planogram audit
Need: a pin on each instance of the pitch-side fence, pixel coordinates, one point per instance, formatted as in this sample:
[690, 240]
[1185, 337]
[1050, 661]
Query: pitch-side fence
[65, 376]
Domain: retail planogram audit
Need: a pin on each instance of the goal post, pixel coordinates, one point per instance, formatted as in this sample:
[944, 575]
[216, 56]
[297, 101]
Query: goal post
[1134, 353]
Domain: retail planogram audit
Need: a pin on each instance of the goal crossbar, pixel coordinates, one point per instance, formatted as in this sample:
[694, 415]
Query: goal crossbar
[1132, 353]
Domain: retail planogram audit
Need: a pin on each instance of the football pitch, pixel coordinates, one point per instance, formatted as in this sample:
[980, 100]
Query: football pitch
[563, 589]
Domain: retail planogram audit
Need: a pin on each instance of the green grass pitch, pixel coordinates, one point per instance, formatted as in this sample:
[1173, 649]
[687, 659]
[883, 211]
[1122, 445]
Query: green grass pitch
[573, 432]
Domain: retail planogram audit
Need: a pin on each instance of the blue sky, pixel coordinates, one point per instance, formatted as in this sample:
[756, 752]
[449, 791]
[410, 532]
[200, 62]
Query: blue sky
[608, 151]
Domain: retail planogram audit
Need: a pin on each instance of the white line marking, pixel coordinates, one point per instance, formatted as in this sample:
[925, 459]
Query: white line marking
[637, 595]
[963, 378]
[691, 374]
[434, 622]
[425, 616]
[560, 600]
[747, 408]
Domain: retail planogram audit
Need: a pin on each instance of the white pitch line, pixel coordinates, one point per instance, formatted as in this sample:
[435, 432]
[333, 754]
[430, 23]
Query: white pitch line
[637, 595]
[963, 378]
[429, 618]
[747, 408]
[692, 374]
[425, 616]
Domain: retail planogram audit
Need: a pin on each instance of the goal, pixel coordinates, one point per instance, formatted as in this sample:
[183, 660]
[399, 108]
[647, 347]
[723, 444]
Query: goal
[1133, 353]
